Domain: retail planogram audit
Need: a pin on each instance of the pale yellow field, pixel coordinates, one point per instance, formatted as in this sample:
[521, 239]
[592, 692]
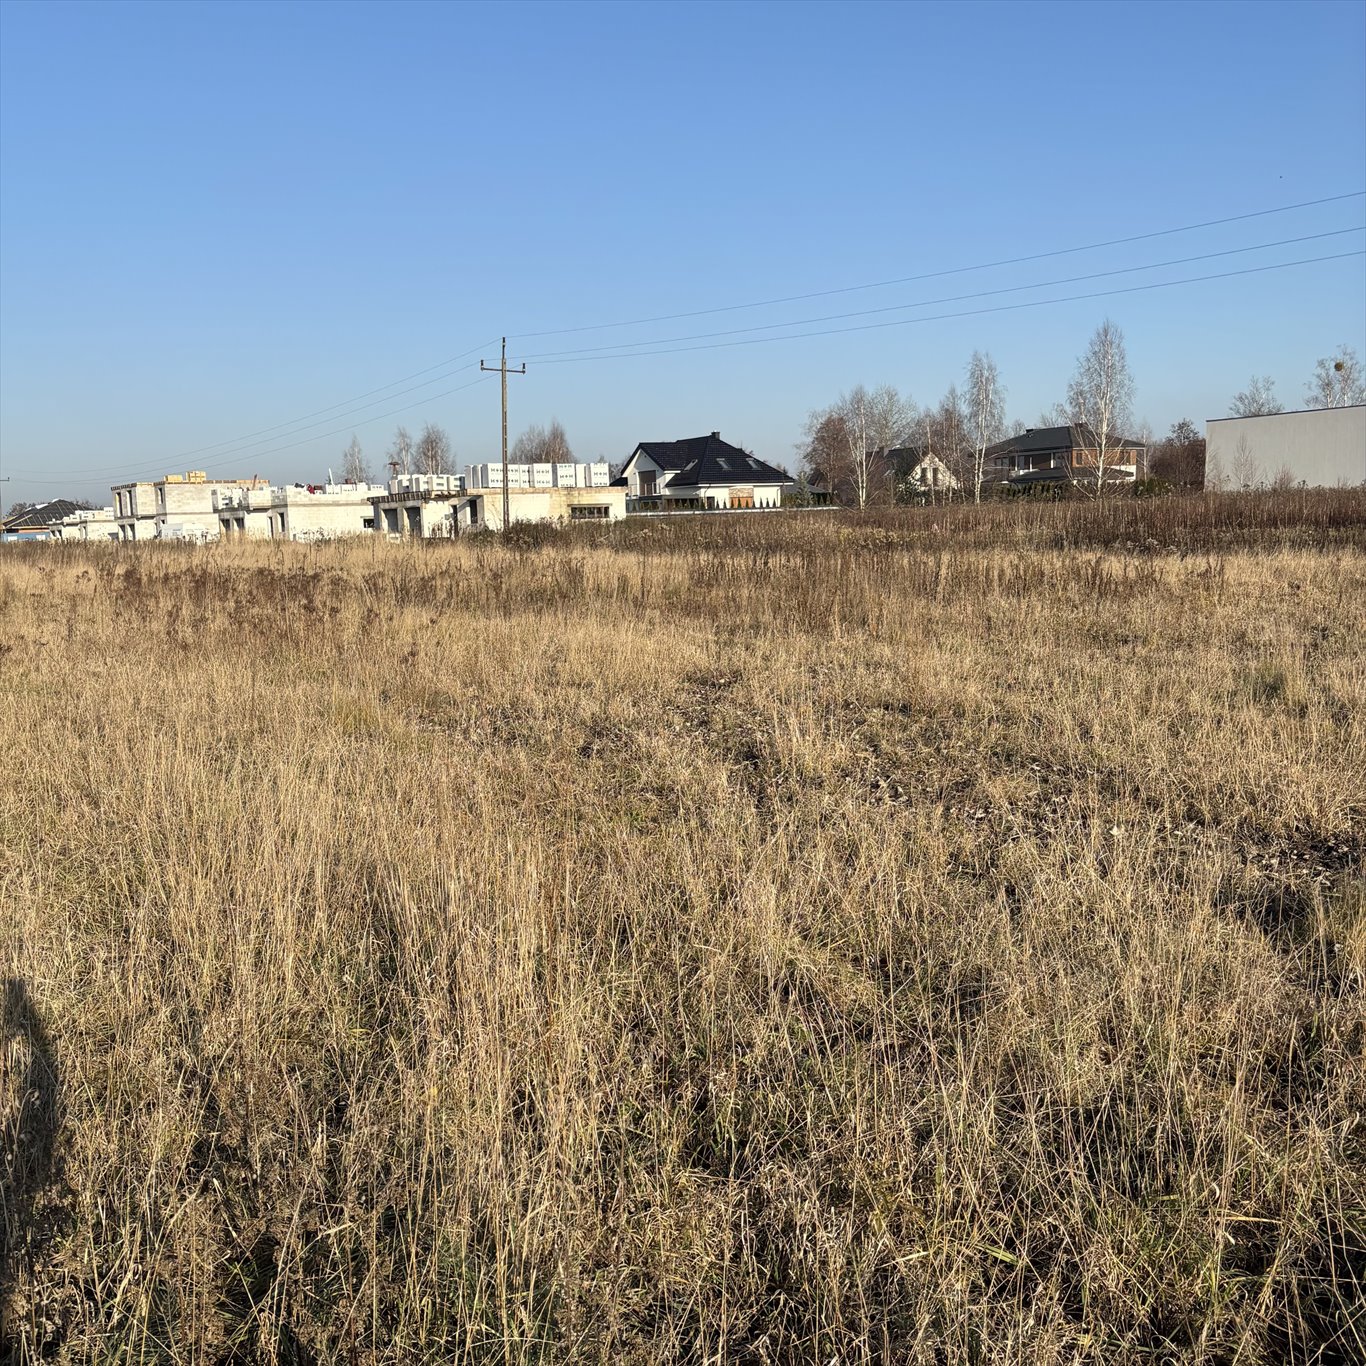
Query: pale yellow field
[844, 950]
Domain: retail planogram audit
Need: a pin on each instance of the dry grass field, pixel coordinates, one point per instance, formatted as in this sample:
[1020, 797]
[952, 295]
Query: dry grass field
[933, 938]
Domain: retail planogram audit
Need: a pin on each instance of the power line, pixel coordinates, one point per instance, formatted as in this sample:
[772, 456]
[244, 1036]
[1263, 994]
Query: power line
[956, 270]
[950, 298]
[131, 475]
[294, 421]
[965, 313]
[246, 448]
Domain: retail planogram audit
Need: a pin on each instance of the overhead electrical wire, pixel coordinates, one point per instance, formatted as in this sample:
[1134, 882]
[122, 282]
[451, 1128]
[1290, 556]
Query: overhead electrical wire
[131, 476]
[964, 313]
[292, 422]
[940, 274]
[950, 298]
[243, 441]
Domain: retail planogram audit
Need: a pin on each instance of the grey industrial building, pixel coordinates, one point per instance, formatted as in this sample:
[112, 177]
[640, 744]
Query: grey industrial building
[1319, 447]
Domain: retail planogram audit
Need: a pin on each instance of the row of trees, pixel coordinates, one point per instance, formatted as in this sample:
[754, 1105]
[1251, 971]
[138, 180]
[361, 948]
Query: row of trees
[1338, 381]
[433, 453]
[847, 446]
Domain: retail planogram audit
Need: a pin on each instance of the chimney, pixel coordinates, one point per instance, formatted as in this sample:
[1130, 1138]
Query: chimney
[717, 435]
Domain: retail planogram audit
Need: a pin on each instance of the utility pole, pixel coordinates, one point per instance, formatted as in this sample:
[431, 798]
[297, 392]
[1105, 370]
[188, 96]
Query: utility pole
[503, 370]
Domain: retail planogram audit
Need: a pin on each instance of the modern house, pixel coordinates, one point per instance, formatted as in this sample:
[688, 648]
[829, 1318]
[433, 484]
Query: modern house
[1061, 455]
[1319, 447]
[702, 473]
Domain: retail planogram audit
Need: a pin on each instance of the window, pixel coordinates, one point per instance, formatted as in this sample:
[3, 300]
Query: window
[588, 512]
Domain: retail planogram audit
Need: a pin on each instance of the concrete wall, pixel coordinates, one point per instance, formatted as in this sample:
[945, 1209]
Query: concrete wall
[135, 510]
[551, 505]
[323, 514]
[1323, 447]
[186, 505]
[88, 525]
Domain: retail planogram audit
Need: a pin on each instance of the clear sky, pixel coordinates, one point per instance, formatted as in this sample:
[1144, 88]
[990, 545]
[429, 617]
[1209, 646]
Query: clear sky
[217, 221]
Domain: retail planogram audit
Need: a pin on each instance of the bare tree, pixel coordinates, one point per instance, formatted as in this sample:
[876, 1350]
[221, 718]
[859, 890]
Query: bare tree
[952, 443]
[433, 450]
[401, 451]
[873, 422]
[1247, 473]
[1257, 400]
[1102, 392]
[1338, 381]
[824, 450]
[354, 468]
[1059, 415]
[542, 445]
[1180, 457]
[986, 414]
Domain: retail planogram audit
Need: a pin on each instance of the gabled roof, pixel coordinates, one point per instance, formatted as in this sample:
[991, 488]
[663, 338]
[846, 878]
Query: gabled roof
[40, 515]
[1043, 440]
[709, 460]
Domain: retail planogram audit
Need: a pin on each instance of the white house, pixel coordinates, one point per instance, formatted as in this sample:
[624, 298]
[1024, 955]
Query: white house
[701, 472]
[929, 474]
[1321, 447]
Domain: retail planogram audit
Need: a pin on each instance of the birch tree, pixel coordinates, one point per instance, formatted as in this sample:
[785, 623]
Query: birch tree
[986, 415]
[1257, 400]
[1338, 381]
[1101, 393]
[433, 451]
[873, 421]
[354, 468]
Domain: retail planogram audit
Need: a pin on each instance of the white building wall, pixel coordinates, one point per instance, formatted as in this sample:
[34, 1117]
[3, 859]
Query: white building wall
[135, 510]
[324, 514]
[550, 505]
[1323, 447]
[97, 524]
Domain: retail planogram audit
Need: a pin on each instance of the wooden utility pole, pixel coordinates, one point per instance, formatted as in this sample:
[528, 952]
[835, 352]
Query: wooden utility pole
[502, 369]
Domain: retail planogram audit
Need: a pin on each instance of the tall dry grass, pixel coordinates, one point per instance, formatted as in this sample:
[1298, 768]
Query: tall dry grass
[830, 948]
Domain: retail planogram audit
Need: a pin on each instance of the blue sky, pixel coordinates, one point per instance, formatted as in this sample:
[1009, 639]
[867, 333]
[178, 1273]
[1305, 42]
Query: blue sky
[216, 220]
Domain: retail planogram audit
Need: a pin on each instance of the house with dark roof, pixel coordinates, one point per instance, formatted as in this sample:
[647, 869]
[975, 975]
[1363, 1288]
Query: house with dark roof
[918, 473]
[700, 472]
[37, 522]
[1061, 455]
